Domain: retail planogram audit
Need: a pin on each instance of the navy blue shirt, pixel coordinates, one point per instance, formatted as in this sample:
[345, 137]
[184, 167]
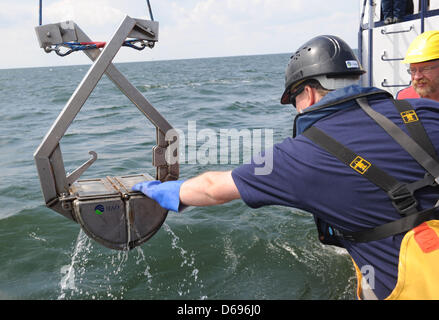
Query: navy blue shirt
[307, 177]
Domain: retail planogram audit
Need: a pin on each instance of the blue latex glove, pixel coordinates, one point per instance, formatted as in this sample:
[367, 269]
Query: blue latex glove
[167, 194]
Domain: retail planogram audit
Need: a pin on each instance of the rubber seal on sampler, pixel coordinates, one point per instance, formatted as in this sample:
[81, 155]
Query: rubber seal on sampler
[106, 208]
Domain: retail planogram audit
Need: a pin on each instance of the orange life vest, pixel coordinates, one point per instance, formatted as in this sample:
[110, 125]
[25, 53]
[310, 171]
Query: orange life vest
[417, 269]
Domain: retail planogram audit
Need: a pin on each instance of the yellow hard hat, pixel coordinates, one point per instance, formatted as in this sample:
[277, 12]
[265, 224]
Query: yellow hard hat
[425, 47]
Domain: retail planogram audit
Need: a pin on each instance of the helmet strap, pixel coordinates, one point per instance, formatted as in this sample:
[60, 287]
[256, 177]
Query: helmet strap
[336, 83]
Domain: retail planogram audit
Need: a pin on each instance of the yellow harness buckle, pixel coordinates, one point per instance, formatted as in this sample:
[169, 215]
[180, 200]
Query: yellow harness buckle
[360, 165]
[409, 116]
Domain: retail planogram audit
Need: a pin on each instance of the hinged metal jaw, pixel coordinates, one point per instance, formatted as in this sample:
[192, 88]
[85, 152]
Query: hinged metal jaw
[106, 208]
[110, 213]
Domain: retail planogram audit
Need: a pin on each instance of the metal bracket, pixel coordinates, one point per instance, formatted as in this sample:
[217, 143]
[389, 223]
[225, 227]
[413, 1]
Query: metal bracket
[384, 31]
[384, 84]
[384, 57]
[56, 33]
[72, 177]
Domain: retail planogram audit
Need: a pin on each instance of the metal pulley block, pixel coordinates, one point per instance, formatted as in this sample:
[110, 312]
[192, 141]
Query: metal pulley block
[105, 208]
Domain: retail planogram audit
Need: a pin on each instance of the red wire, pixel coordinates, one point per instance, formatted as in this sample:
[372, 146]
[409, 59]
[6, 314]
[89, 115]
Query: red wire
[98, 44]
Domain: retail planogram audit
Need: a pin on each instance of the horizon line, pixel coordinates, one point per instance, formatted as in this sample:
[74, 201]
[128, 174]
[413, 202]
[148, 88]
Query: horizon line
[154, 60]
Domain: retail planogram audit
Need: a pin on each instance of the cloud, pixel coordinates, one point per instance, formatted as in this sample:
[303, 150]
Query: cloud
[17, 13]
[238, 27]
[188, 29]
[97, 17]
[96, 12]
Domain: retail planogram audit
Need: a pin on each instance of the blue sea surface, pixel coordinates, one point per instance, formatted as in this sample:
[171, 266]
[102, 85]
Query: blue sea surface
[222, 252]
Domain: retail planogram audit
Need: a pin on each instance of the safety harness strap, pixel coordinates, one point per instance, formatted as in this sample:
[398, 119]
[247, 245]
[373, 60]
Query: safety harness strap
[389, 229]
[405, 141]
[401, 196]
[414, 126]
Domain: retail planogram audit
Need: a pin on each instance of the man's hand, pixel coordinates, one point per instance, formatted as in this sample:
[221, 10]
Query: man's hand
[167, 194]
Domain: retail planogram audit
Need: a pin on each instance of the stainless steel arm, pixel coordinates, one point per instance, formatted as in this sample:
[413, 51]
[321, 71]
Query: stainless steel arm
[165, 171]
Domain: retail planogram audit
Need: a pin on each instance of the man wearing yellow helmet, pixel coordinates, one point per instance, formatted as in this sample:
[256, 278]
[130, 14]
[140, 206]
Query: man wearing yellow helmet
[423, 59]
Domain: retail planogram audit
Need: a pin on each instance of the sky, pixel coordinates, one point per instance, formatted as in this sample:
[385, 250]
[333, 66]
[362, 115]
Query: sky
[188, 28]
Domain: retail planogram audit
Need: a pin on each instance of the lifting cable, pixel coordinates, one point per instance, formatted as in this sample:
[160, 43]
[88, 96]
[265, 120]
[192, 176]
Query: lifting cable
[137, 44]
[150, 10]
[41, 12]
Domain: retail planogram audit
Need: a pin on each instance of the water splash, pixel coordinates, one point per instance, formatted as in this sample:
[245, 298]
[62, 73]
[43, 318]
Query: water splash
[188, 262]
[230, 255]
[97, 273]
[92, 273]
[68, 280]
[34, 236]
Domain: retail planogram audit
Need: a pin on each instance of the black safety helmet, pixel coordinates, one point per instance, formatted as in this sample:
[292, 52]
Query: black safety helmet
[322, 55]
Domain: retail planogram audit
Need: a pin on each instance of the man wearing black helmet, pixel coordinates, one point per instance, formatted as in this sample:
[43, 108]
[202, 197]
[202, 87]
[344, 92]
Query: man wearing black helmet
[352, 165]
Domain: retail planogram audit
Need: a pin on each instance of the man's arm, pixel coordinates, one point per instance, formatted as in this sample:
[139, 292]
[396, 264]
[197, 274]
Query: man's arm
[209, 188]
